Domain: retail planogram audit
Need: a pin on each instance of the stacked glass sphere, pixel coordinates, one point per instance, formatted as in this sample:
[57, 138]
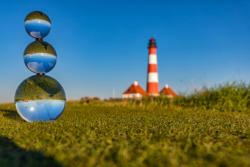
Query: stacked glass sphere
[39, 97]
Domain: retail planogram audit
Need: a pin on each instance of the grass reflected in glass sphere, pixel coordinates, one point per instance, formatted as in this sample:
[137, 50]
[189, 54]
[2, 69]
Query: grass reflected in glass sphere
[40, 98]
[37, 24]
[40, 57]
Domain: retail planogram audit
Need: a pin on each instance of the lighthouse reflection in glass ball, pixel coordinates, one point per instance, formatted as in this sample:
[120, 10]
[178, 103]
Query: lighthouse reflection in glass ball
[40, 98]
[37, 24]
[40, 57]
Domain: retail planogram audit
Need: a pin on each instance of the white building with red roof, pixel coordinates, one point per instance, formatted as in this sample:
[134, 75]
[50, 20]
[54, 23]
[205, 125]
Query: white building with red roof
[167, 91]
[134, 91]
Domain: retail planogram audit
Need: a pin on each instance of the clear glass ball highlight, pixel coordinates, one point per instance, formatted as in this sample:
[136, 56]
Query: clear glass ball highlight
[37, 24]
[40, 98]
[40, 57]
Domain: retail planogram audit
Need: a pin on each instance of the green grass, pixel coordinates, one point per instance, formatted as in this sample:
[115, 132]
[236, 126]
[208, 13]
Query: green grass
[37, 15]
[39, 47]
[39, 87]
[151, 132]
[233, 97]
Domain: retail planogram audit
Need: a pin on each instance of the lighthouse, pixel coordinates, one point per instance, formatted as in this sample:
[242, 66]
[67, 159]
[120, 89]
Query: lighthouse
[152, 80]
[136, 91]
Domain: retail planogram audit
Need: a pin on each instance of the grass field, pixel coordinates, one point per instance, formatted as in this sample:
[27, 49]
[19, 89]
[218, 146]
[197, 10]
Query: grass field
[151, 132]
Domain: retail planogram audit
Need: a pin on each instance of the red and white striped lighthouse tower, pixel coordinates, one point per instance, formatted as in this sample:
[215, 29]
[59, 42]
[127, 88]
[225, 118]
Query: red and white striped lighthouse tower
[152, 83]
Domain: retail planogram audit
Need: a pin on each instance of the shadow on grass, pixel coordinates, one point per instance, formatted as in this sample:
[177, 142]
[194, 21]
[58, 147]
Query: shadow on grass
[13, 156]
[12, 114]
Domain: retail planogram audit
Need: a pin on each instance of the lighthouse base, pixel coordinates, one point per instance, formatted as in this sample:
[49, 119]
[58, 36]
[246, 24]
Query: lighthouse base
[153, 94]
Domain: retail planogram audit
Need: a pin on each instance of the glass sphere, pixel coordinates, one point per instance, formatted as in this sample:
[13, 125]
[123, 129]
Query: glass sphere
[37, 24]
[40, 57]
[40, 98]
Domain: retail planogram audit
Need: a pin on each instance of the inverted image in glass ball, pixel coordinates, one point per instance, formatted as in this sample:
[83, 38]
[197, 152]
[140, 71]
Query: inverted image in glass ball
[37, 24]
[40, 98]
[40, 57]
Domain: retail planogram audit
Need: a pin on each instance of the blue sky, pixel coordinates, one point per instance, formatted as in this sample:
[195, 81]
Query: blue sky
[102, 45]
